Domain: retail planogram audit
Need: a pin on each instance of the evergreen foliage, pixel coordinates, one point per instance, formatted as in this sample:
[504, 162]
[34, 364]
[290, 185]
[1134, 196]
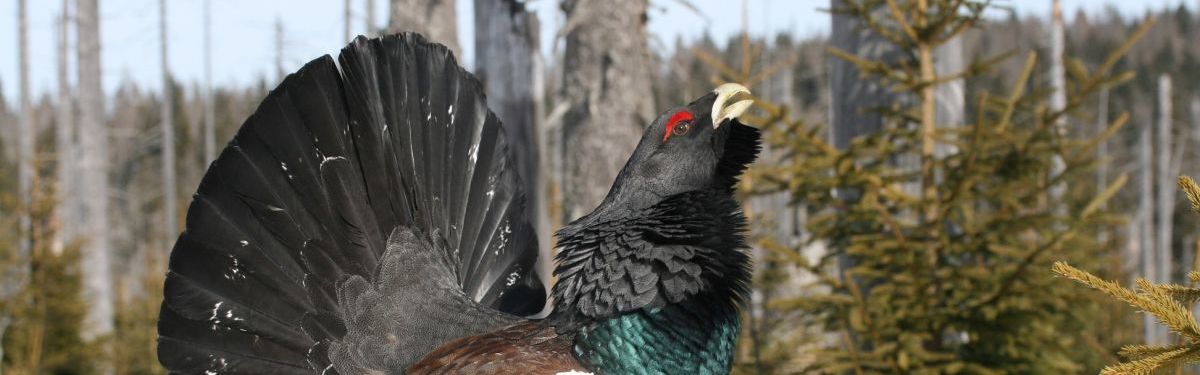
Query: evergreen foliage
[135, 340]
[1171, 304]
[932, 266]
[47, 310]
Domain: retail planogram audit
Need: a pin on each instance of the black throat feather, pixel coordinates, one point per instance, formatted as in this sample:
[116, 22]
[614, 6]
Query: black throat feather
[687, 246]
[741, 148]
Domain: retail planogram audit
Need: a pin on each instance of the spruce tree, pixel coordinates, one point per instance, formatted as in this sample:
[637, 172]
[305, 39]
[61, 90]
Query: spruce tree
[1170, 304]
[935, 266]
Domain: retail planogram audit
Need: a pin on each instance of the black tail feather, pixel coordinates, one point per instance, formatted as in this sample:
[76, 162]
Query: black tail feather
[307, 193]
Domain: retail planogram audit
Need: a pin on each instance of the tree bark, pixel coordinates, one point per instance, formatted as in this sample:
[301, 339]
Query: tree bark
[1195, 109]
[1144, 216]
[508, 64]
[93, 174]
[1058, 99]
[435, 19]
[170, 214]
[279, 72]
[16, 273]
[371, 30]
[606, 86]
[25, 136]
[850, 91]
[1165, 199]
[1166, 183]
[346, 17]
[66, 212]
[951, 95]
[852, 95]
[1102, 148]
[210, 129]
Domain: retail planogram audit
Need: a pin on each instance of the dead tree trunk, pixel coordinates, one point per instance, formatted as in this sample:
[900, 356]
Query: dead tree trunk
[850, 92]
[1164, 200]
[346, 17]
[279, 72]
[432, 18]
[1145, 218]
[371, 30]
[93, 173]
[1195, 109]
[15, 274]
[1102, 148]
[64, 139]
[606, 85]
[507, 62]
[951, 95]
[25, 136]
[210, 131]
[1166, 183]
[1058, 100]
[168, 136]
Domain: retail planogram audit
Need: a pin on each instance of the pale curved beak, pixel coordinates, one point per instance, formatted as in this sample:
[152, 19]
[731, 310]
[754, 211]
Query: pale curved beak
[732, 100]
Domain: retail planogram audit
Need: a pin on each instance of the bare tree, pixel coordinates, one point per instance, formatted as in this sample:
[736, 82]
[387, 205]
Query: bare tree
[1165, 199]
[371, 30]
[346, 18]
[64, 138]
[1144, 220]
[210, 131]
[850, 92]
[15, 274]
[1195, 107]
[951, 95]
[170, 224]
[1102, 148]
[279, 72]
[1169, 151]
[93, 174]
[606, 86]
[1058, 96]
[432, 18]
[507, 62]
[25, 136]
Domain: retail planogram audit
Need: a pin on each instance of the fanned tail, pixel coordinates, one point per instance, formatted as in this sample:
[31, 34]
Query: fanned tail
[289, 229]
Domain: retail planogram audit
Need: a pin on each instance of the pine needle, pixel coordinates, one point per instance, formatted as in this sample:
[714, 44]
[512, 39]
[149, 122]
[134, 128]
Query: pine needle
[1146, 365]
[1192, 191]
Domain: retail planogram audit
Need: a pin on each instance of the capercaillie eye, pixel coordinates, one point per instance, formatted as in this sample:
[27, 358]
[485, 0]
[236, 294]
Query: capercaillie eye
[681, 128]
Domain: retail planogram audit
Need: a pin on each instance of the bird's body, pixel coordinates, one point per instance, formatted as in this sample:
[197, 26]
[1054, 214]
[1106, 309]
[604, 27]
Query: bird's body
[366, 221]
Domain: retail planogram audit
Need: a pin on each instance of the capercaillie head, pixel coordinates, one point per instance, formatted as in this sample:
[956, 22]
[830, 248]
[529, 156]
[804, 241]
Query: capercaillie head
[699, 146]
[658, 270]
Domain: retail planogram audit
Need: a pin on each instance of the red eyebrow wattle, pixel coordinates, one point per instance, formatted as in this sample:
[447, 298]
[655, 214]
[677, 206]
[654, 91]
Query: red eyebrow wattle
[677, 117]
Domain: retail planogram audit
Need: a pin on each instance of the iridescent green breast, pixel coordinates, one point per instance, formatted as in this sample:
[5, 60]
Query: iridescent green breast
[679, 339]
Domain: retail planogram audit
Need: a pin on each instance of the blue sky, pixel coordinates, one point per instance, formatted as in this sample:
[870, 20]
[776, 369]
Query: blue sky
[243, 32]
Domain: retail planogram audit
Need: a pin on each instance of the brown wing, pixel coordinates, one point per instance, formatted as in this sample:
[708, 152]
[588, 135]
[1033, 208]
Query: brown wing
[522, 348]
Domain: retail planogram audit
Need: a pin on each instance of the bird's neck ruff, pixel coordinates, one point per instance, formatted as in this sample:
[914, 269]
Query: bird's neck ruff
[659, 286]
[698, 336]
[659, 290]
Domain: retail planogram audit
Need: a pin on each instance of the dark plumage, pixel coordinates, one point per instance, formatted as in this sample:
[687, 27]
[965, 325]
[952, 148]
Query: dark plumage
[366, 219]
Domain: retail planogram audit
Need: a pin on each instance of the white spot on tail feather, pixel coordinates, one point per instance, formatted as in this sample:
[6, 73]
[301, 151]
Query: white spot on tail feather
[331, 158]
[216, 311]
